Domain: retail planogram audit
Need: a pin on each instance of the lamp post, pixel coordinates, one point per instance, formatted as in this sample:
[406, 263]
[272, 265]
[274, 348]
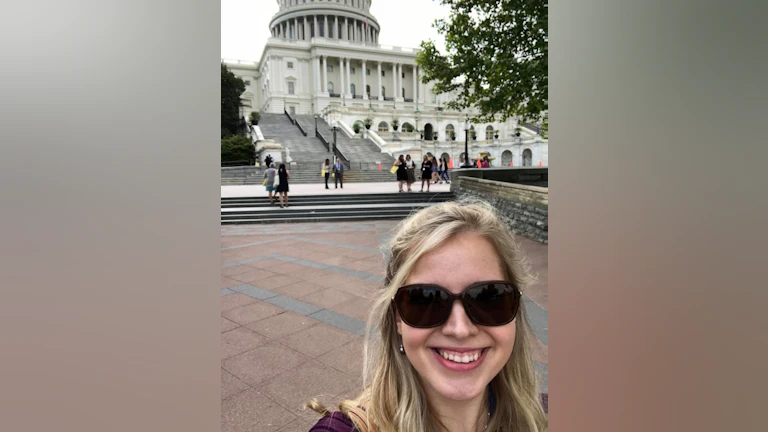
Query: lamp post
[315, 124]
[466, 144]
[334, 125]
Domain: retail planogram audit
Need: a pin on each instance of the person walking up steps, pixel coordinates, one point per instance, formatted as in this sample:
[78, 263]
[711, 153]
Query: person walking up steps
[338, 173]
[282, 188]
[269, 178]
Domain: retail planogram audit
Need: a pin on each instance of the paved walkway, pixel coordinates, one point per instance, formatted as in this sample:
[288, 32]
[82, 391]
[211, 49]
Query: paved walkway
[294, 298]
[319, 189]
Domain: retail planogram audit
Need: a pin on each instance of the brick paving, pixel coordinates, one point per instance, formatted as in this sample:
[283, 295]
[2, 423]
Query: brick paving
[294, 298]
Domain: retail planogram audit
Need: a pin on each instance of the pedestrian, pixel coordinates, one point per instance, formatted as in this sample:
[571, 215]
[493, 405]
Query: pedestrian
[435, 365]
[485, 163]
[402, 174]
[268, 160]
[338, 174]
[434, 169]
[444, 171]
[461, 161]
[410, 167]
[282, 188]
[426, 172]
[326, 171]
[269, 181]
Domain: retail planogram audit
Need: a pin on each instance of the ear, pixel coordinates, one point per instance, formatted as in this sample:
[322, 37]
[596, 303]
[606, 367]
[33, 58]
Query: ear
[398, 323]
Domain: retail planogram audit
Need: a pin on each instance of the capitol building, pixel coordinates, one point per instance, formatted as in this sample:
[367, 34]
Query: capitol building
[324, 59]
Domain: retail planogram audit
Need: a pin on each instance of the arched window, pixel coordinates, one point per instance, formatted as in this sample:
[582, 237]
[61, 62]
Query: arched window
[407, 127]
[352, 89]
[449, 132]
[489, 133]
[527, 157]
[330, 87]
[506, 158]
[383, 127]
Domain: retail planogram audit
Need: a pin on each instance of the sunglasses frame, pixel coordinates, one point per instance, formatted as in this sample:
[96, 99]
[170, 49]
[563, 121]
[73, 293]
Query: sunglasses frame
[460, 297]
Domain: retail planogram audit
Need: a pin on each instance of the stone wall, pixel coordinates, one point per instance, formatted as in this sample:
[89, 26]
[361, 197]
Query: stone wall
[526, 207]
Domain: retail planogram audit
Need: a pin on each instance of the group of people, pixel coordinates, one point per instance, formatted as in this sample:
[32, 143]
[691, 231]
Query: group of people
[337, 170]
[276, 179]
[432, 171]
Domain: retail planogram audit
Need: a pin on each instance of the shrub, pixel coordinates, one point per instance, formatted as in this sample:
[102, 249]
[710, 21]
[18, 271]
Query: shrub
[237, 149]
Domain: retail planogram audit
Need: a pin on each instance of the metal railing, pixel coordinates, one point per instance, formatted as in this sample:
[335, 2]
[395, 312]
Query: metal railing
[336, 151]
[532, 127]
[294, 122]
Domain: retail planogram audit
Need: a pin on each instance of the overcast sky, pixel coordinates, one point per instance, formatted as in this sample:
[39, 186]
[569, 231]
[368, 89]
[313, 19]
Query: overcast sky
[405, 23]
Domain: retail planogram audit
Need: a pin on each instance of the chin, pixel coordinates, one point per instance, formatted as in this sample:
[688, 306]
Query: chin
[460, 391]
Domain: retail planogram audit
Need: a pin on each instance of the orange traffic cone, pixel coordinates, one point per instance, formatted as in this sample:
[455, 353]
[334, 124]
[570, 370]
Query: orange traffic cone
[511, 164]
[539, 163]
[379, 166]
[450, 163]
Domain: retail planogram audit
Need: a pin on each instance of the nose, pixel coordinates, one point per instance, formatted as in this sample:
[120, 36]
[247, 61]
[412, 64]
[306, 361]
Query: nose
[458, 325]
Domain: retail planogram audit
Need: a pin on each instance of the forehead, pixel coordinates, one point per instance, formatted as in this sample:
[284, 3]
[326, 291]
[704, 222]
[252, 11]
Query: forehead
[459, 262]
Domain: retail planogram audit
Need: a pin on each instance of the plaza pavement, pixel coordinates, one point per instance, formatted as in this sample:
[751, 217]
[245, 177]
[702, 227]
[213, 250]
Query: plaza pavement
[294, 298]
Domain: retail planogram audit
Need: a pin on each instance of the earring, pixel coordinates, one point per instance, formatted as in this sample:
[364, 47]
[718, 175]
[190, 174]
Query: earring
[402, 350]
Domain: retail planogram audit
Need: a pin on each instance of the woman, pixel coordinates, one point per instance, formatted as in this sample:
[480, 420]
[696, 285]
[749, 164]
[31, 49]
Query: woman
[269, 175]
[326, 169]
[282, 188]
[439, 362]
[485, 163]
[410, 167]
[434, 169]
[445, 176]
[402, 174]
[426, 172]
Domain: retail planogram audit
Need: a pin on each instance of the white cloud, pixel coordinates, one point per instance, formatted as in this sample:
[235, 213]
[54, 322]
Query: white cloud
[245, 24]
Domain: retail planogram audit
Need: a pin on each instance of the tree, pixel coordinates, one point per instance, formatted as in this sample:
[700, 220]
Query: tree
[237, 149]
[496, 57]
[231, 89]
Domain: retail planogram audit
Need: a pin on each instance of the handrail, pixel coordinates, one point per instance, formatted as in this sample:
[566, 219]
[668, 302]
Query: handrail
[336, 151]
[294, 122]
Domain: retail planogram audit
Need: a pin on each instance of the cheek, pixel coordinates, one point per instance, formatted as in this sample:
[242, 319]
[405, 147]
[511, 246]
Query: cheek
[503, 337]
[415, 338]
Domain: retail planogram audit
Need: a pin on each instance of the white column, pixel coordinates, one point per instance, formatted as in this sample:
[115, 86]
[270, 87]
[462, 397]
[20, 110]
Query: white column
[395, 91]
[326, 26]
[336, 32]
[365, 94]
[295, 28]
[317, 34]
[415, 78]
[421, 87]
[306, 29]
[378, 91]
[346, 29]
[341, 74]
[324, 84]
[316, 61]
[348, 78]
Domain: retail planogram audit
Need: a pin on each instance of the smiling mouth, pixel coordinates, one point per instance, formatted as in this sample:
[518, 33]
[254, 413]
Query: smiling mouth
[463, 357]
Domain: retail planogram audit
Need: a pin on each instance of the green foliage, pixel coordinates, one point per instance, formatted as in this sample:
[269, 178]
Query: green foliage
[231, 89]
[237, 149]
[368, 121]
[255, 117]
[496, 57]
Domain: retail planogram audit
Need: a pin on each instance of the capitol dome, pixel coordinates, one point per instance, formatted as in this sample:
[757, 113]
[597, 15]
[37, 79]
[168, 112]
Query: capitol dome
[331, 19]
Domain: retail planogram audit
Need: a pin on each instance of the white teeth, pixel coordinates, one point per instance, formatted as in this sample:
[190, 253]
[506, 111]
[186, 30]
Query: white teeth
[459, 358]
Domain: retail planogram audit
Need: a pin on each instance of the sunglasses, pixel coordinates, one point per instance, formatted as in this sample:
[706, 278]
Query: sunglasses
[487, 303]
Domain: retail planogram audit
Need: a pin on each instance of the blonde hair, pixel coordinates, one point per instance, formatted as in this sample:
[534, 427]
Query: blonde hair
[393, 399]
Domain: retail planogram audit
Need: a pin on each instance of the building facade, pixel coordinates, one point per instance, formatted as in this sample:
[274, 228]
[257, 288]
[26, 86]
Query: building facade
[324, 58]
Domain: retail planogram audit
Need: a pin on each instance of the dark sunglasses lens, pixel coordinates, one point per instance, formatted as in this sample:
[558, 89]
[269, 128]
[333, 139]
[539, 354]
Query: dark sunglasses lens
[423, 306]
[492, 304]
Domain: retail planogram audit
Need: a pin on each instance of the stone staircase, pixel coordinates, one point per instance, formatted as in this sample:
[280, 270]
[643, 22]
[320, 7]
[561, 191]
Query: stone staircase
[357, 150]
[328, 208]
[305, 173]
[302, 148]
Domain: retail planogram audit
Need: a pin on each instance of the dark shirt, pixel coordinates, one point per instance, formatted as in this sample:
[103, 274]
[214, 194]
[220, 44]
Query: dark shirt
[338, 422]
[426, 167]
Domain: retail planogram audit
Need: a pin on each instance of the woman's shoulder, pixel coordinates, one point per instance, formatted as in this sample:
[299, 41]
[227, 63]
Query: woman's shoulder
[335, 422]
